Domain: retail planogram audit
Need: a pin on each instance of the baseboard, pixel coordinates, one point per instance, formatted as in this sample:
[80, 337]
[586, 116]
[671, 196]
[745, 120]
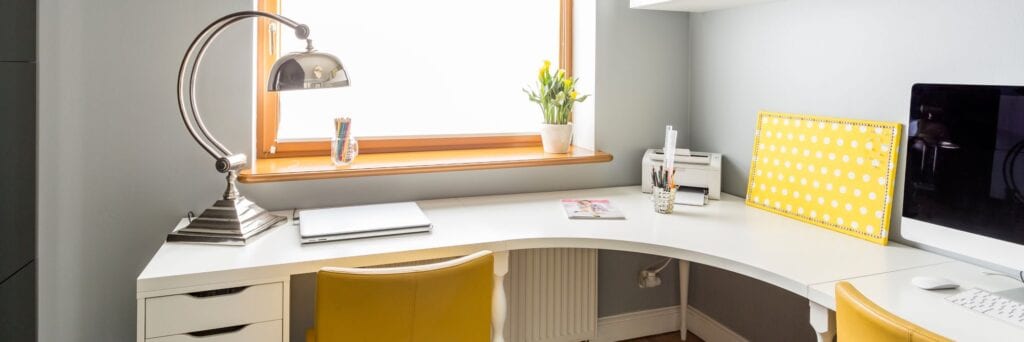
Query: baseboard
[708, 329]
[637, 324]
[659, 321]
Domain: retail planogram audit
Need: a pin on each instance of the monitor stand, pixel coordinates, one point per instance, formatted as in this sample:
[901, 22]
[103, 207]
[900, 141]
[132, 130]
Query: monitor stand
[1016, 294]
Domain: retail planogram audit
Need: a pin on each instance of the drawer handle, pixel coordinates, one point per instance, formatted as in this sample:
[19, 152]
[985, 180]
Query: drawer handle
[217, 331]
[218, 292]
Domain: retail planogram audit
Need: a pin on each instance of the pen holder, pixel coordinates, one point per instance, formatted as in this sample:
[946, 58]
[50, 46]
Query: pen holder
[664, 200]
[342, 154]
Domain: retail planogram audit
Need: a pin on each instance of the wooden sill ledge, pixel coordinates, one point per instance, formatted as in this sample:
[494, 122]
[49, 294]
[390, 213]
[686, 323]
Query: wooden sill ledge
[379, 164]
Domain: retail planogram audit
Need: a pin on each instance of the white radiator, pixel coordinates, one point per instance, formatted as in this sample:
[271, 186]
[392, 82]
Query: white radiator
[552, 295]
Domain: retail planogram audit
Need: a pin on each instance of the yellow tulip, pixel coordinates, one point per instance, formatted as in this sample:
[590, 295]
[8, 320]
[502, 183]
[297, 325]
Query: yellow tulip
[573, 95]
[547, 64]
[567, 83]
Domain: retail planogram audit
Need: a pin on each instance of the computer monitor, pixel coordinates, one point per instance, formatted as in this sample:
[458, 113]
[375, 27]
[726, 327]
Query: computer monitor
[964, 185]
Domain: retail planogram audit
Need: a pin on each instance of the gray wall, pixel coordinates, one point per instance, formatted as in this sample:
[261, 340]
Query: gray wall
[116, 166]
[855, 59]
[617, 289]
[642, 85]
[750, 307]
[117, 169]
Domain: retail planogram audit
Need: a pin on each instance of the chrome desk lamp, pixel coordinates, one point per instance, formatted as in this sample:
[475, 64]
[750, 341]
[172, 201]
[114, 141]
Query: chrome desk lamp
[233, 219]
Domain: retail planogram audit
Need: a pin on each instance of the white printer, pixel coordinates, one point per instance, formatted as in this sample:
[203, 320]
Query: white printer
[693, 169]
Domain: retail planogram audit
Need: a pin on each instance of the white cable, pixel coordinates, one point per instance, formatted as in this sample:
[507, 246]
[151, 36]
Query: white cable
[659, 269]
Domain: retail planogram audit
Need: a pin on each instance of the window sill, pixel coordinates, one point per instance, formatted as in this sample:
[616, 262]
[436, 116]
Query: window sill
[379, 164]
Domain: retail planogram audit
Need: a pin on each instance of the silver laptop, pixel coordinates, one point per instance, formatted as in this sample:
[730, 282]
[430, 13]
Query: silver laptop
[355, 222]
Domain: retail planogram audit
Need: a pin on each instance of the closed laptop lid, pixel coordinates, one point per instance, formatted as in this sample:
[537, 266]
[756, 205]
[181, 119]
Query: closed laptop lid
[363, 218]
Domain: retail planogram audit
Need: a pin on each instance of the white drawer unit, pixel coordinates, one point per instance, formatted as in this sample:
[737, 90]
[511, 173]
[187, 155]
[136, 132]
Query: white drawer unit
[256, 332]
[199, 312]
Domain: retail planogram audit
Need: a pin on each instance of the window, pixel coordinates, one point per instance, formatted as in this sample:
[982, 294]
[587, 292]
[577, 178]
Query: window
[426, 75]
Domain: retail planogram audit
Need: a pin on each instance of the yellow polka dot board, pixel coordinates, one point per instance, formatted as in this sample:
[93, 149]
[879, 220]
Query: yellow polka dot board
[834, 173]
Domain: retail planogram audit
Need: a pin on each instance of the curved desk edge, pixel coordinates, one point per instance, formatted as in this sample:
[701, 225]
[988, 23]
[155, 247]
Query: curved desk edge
[505, 223]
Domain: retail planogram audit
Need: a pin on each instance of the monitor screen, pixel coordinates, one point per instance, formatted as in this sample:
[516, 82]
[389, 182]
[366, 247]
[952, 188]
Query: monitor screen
[965, 159]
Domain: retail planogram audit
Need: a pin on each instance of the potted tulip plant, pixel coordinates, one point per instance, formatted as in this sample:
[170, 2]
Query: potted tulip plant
[556, 94]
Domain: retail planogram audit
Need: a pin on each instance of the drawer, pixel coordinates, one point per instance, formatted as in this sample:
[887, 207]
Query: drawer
[256, 332]
[198, 311]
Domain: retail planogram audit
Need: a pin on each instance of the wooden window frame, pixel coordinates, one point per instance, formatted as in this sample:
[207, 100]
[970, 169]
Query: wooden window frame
[268, 105]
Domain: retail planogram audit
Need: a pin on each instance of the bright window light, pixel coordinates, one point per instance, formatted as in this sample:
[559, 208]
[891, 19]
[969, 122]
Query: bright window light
[439, 67]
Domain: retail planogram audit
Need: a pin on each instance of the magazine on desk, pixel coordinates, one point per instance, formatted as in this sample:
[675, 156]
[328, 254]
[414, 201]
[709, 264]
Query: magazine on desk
[591, 209]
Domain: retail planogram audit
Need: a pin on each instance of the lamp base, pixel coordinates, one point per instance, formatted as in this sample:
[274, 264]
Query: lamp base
[228, 222]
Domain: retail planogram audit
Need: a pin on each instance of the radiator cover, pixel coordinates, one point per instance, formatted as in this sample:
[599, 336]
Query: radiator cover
[552, 295]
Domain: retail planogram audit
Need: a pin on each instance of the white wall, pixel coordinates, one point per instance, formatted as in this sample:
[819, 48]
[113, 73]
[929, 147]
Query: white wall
[117, 168]
[854, 59]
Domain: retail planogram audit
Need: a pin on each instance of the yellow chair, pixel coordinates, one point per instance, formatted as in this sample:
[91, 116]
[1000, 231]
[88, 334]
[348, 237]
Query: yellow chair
[446, 301]
[860, 319]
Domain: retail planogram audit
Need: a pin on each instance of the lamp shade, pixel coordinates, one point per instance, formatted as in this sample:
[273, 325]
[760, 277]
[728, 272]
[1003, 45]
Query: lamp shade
[307, 70]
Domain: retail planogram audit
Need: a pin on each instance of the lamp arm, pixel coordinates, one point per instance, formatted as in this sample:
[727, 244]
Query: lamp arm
[226, 161]
[193, 79]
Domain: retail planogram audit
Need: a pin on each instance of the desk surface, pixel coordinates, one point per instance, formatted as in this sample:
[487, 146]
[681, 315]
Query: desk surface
[795, 256]
[895, 293]
[725, 234]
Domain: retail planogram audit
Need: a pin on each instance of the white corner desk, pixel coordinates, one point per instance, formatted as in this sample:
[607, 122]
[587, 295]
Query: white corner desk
[187, 288]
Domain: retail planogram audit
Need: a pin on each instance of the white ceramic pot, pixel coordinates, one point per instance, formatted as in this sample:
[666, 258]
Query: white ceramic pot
[556, 138]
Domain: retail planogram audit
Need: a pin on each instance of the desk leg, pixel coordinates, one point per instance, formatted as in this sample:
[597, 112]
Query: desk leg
[499, 307]
[823, 321]
[684, 290]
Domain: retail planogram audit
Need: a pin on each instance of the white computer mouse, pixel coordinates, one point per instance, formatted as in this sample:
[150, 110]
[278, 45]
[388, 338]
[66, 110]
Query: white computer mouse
[934, 283]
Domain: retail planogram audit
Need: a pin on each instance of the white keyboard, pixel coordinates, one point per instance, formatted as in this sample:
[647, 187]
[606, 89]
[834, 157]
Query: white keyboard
[991, 305]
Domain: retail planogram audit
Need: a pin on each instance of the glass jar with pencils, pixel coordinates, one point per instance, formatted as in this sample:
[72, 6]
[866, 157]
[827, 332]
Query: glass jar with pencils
[663, 178]
[664, 200]
[343, 154]
[664, 190]
[344, 147]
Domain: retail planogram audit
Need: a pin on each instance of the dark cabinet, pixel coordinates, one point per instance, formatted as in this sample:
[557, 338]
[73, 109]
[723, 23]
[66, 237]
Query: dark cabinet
[18, 136]
[18, 306]
[18, 171]
[18, 30]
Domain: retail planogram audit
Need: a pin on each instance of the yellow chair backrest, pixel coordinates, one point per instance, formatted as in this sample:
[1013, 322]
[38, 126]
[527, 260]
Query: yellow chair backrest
[446, 301]
[860, 319]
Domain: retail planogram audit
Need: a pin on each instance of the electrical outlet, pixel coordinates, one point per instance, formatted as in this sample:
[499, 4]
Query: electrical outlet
[649, 279]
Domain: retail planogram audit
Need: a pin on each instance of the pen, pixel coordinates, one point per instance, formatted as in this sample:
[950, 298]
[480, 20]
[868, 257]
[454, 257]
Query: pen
[661, 176]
